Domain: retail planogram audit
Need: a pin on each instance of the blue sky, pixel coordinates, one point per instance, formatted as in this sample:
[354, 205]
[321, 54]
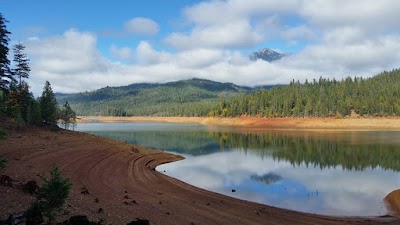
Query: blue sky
[85, 45]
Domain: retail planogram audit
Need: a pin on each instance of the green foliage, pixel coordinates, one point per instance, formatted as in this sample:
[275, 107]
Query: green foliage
[21, 61]
[53, 194]
[193, 97]
[5, 73]
[16, 101]
[314, 150]
[20, 122]
[48, 105]
[33, 114]
[377, 96]
[67, 116]
[3, 162]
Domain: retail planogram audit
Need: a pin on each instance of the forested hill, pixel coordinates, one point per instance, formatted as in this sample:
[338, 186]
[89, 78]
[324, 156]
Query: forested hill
[193, 97]
[376, 96]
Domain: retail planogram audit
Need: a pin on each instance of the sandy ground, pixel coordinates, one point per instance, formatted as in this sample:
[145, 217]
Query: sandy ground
[287, 123]
[123, 180]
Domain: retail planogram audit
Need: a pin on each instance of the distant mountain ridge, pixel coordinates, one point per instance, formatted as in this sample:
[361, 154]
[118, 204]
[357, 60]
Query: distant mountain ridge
[193, 97]
[268, 55]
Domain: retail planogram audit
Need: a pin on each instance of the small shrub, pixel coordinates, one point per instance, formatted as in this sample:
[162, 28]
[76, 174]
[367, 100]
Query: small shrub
[53, 194]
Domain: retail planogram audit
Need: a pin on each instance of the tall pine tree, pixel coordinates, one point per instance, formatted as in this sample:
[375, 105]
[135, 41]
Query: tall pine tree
[22, 68]
[5, 73]
[48, 105]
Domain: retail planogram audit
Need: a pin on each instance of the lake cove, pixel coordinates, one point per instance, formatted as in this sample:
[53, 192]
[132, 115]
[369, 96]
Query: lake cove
[332, 173]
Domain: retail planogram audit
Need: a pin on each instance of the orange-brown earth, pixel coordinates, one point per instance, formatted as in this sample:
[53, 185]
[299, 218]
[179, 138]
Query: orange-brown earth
[123, 180]
[392, 123]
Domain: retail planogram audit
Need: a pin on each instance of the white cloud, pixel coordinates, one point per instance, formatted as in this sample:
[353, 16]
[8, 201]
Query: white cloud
[336, 44]
[212, 12]
[367, 14]
[146, 55]
[67, 54]
[232, 34]
[124, 53]
[141, 26]
[73, 57]
[338, 189]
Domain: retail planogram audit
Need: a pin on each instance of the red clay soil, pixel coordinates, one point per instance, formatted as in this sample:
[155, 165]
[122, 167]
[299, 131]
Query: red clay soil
[122, 185]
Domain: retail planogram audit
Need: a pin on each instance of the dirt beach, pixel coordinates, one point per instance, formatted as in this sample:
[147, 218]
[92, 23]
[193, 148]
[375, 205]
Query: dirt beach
[377, 123]
[116, 182]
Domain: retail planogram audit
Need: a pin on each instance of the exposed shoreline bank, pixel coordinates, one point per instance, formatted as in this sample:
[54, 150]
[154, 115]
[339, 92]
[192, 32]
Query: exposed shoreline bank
[123, 180]
[377, 123]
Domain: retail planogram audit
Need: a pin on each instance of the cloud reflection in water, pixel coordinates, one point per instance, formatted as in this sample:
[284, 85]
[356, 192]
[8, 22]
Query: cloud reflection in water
[332, 191]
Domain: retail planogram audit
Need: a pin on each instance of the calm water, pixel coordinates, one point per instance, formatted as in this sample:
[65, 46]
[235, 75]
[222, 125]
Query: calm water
[334, 173]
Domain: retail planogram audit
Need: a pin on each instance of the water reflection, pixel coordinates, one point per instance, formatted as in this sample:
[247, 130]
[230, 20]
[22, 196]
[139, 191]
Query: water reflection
[335, 173]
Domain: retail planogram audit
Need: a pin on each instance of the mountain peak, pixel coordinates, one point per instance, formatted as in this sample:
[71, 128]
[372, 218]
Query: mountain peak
[267, 54]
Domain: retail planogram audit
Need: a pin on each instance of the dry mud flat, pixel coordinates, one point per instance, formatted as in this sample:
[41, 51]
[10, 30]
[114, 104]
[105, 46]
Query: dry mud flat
[116, 182]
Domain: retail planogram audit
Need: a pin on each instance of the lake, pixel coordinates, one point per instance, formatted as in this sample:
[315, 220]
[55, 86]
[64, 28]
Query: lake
[325, 172]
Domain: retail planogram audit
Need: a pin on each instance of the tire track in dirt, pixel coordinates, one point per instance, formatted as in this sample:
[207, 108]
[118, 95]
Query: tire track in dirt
[125, 185]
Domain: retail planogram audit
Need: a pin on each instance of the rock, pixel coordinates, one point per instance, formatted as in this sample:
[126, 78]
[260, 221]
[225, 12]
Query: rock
[78, 220]
[392, 202]
[133, 202]
[5, 181]
[30, 187]
[16, 218]
[139, 222]
[85, 191]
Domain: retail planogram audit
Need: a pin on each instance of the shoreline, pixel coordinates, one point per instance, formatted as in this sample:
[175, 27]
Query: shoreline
[123, 179]
[375, 123]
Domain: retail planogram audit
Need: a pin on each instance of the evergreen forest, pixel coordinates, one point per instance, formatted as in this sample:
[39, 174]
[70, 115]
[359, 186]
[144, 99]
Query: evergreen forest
[17, 102]
[376, 96]
[194, 97]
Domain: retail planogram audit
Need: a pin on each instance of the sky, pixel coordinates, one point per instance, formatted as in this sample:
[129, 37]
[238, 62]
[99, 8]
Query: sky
[85, 45]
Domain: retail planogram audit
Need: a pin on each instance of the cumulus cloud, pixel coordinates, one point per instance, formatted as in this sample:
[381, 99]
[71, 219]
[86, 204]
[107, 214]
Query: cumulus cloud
[335, 44]
[369, 14]
[124, 53]
[232, 34]
[141, 26]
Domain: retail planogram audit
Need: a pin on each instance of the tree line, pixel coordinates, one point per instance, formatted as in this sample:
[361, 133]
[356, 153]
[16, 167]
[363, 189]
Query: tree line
[16, 100]
[376, 96]
[313, 151]
[193, 97]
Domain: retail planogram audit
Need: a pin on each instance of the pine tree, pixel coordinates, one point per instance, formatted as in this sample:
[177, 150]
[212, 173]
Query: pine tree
[22, 68]
[48, 105]
[5, 73]
[33, 114]
[67, 116]
[52, 195]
